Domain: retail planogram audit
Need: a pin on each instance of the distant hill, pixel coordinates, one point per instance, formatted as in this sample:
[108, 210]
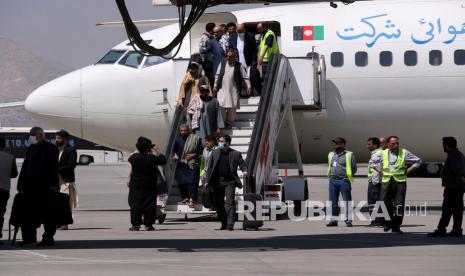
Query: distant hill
[21, 72]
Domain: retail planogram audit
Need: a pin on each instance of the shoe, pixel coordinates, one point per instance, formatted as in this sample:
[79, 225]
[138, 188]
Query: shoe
[26, 243]
[437, 233]
[387, 228]
[63, 227]
[455, 233]
[331, 224]
[46, 243]
[162, 218]
[349, 224]
[223, 227]
[397, 231]
[230, 228]
[134, 228]
[149, 228]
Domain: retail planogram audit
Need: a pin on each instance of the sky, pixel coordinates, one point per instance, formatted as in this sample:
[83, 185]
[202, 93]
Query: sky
[64, 31]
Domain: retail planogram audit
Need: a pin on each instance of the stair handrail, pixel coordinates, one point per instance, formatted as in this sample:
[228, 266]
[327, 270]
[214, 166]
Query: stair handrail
[263, 107]
[179, 114]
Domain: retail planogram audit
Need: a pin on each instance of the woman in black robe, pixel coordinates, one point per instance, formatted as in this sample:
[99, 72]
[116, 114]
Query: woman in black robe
[143, 183]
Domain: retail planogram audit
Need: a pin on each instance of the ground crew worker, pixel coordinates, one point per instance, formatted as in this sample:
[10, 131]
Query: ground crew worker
[383, 142]
[374, 181]
[393, 166]
[268, 45]
[341, 170]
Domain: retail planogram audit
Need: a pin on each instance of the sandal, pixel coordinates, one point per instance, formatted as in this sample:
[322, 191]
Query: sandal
[191, 204]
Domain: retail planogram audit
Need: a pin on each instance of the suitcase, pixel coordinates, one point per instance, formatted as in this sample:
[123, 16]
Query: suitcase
[252, 224]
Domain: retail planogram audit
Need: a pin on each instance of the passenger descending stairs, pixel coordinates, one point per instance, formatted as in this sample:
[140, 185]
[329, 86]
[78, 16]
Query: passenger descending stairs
[241, 135]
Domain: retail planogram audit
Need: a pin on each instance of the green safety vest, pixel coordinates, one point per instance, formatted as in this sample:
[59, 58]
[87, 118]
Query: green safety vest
[273, 50]
[350, 177]
[371, 171]
[398, 172]
[202, 166]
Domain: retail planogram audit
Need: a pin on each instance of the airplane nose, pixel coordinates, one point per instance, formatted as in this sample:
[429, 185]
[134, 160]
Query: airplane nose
[57, 103]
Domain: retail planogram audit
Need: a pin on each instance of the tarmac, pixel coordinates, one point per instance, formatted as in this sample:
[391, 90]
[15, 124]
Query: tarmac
[99, 242]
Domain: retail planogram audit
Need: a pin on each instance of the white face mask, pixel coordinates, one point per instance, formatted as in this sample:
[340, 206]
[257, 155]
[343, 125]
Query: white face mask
[32, 140]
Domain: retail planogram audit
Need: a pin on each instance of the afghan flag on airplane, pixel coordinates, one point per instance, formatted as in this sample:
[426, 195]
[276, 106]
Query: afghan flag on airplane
[309, 33]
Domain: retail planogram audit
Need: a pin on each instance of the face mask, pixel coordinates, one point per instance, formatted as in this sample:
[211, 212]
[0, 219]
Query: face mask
[32, 140]
[221, 145]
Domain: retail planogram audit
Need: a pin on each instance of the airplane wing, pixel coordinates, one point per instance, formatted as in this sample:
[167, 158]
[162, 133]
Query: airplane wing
[11, 104]
[156, 23]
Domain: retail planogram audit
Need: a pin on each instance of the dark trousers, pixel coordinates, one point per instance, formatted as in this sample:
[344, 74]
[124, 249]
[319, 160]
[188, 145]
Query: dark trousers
[4, 196]
[207, 67]
[225, 208]
[343, 187]
[264, 71]
[189, 190]
[148, 213]
[29, 232]
[373, 194]
[393, 196]
[452, 206]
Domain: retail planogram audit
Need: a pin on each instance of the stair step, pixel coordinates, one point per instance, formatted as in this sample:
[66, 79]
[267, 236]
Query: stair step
[242, 116]
[240, 140]
[244, 123]
[239, 131]
[248, 108]
[241, 148]
[251, 101]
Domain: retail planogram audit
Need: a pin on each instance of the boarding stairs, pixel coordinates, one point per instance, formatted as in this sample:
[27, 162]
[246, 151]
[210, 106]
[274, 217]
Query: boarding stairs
[241, 134]
[258, 122]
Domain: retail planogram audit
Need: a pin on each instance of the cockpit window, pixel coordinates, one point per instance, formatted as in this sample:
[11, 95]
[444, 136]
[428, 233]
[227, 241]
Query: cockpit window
[111, 57]
[132, 59]
[154, 60]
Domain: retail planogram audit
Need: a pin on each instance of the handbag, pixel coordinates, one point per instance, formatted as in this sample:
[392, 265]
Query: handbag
[162, 186]
[59, 212]
[207, 196]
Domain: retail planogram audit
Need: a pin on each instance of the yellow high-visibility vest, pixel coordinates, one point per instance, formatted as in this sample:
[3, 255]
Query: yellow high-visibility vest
[271, 50]
[398, 172]
[350, 177]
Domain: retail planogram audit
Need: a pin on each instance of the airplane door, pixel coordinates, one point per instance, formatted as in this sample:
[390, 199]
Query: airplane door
[308, 75]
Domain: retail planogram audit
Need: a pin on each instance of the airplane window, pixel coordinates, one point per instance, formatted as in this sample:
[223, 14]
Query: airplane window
[410, 58]
[435, 57]
[459, 57]
[337, 59]
[385, 58]
[111, 57]
[361, 59]
[154, 60]
[132, 59]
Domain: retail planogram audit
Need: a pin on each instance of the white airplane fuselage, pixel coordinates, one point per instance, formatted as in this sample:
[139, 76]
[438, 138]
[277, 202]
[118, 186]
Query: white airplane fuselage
[113, 104]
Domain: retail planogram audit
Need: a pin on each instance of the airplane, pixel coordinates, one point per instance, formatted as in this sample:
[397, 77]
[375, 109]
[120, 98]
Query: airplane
[392, 68]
